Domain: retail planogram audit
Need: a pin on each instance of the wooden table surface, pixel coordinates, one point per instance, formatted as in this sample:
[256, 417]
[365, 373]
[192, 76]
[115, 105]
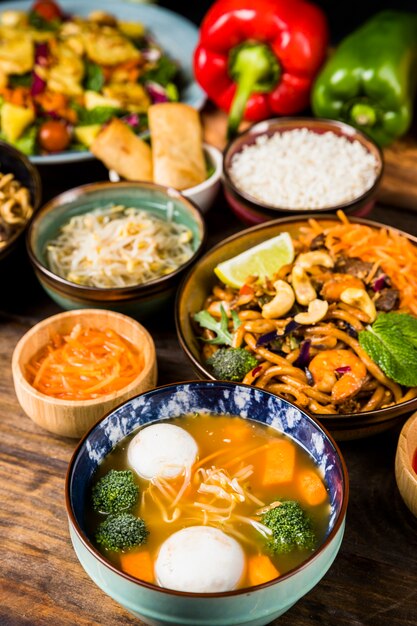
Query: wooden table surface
[373, 581]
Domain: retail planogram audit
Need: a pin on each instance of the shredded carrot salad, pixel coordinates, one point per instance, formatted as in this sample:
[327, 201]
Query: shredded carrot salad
[86, 364]
[383, 247]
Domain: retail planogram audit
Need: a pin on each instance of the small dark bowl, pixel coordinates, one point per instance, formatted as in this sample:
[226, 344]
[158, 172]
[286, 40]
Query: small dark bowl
[252, 211]
[12, 161]
[199, 282]
[138, 300]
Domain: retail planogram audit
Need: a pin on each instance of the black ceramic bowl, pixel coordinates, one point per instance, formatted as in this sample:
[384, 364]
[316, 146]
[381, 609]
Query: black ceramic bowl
[14, 162]
[252, 211]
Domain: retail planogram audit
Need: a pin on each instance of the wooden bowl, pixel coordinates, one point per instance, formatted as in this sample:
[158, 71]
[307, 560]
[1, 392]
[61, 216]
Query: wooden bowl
[72, 418]
[404, 473]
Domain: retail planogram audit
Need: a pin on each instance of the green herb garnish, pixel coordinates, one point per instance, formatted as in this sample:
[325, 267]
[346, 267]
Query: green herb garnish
[391, 342]
[164, 72]
[98, 115]
[94, 77]
[26, 143]
[223, 336]
[40, 23]
[20, 80]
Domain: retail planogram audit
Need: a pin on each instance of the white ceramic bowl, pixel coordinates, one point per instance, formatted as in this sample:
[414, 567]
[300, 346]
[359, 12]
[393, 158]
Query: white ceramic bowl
[204, 194]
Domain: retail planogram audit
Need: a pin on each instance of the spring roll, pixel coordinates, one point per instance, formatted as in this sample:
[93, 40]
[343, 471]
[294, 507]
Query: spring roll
[121, 150]
[177, 150]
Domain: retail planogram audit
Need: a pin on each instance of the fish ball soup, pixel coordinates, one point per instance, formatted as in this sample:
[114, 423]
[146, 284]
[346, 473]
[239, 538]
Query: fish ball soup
[207, 503]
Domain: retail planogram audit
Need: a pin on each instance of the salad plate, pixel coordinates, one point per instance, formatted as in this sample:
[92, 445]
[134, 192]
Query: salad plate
[176, 36]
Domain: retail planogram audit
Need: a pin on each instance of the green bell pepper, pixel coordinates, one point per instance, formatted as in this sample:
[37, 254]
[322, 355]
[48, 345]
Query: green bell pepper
[370, 81]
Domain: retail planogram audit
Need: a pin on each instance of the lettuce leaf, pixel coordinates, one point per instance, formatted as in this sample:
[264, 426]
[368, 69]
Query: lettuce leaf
[94, 77]
[99, 115]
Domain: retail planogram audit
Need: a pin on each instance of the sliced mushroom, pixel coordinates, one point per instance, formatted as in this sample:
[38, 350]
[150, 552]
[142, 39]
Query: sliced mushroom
[317, 310]
[303, 288]
[307, 260]
[361, 300]
[281, 303]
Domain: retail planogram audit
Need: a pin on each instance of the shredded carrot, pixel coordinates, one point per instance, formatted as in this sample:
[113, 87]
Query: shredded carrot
[384, 247]
[86, 364]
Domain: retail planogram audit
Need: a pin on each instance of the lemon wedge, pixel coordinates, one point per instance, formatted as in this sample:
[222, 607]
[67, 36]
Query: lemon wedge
[262, 260]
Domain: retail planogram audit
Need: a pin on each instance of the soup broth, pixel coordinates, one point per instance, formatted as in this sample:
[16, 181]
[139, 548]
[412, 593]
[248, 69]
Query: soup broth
[241, 468]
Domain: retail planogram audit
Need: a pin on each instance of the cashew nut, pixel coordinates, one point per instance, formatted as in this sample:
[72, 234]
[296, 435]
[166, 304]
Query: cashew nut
[282, 302]
[359, 299]
[304, 290]
[317, 309]
[307, 260]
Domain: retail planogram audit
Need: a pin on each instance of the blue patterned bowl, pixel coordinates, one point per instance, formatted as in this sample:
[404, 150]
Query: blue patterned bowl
[254, 606]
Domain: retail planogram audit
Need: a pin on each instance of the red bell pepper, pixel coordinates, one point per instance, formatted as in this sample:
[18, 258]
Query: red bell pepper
[258, 58]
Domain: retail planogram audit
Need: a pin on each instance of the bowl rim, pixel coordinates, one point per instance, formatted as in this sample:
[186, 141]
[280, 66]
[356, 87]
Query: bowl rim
[20, 378]
[292, 123]
[187, 594]
[384, 413]
[216, 157]
[75, 193]
[35, 178]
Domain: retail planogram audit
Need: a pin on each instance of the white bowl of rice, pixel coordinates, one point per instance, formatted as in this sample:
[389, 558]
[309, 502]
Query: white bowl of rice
[289, 165]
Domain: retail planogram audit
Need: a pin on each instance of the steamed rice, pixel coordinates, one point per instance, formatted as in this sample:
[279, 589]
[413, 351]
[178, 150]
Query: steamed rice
[302, 169]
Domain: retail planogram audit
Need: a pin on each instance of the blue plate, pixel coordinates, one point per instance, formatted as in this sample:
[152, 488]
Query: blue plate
[175, 34]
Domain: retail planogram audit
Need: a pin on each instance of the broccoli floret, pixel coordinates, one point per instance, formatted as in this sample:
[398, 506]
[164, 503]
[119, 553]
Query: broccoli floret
[291, 528]
[115, 492]
[232, 363]
[121, 532]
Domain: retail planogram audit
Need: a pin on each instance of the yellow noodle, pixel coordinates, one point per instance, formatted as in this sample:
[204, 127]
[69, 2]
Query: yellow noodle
[259, 370]
[375, 400]
[360, 315]
[345, 316]
[280, 389]
[271, 356]
[276, 370]
[260, 326]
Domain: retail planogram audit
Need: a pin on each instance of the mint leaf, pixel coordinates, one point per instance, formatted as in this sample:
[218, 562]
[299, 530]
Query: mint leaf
[391, 343]
[398, 322]
[223, 337]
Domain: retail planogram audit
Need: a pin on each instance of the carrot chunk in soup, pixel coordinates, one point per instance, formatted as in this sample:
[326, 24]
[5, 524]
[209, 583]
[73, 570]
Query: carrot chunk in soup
[261, 570]
[279, 463]
[311, 487]
[138, 564]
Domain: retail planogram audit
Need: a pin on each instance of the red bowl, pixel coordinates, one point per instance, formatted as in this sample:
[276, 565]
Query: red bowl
[252, 211]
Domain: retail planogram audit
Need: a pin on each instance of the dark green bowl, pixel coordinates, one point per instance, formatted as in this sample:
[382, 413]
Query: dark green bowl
[138, 300]
[199, 282]
[12, 161]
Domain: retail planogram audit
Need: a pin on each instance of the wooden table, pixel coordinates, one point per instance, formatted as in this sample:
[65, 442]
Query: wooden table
[373, 581]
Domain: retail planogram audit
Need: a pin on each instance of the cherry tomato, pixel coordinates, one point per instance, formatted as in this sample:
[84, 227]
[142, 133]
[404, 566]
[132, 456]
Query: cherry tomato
[53, 136]
[47, 9]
